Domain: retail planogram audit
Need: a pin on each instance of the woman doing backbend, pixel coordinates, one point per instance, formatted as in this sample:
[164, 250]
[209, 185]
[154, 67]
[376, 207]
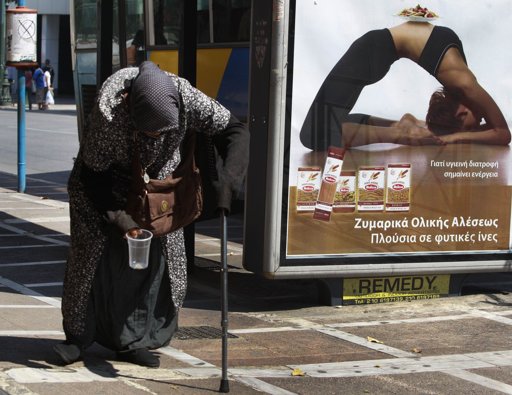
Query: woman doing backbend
[461, 112]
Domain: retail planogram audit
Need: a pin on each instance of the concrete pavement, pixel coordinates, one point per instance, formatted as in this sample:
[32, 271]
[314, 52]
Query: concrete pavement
[282, 341]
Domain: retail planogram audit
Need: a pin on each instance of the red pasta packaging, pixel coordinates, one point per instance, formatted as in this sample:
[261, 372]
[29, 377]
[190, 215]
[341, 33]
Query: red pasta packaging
[330, 178]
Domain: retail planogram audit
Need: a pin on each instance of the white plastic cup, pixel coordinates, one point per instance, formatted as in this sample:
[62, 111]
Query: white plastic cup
[138, 249]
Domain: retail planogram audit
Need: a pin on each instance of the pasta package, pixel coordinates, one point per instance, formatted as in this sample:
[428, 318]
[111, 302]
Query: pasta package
[370, 190]
[345, 196]
[308, 186]
[330, 177]
[398, 188]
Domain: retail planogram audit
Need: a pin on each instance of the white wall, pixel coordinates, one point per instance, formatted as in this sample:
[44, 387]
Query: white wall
[50, 44]
[50, 10]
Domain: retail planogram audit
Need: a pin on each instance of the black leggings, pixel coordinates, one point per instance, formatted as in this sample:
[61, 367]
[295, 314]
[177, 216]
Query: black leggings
[366, 61]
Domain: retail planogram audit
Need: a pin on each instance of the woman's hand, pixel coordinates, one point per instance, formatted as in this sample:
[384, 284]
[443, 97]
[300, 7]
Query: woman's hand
[451, 138]
[490, 136]
[134, 232]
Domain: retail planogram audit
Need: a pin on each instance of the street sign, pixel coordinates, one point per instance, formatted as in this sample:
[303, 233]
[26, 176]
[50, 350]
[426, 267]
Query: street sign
[21, 31]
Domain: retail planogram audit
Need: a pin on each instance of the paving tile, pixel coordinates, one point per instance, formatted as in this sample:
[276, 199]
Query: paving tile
[461, 336]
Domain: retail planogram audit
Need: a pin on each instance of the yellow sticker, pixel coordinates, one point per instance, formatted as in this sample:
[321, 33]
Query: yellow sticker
[368, 290]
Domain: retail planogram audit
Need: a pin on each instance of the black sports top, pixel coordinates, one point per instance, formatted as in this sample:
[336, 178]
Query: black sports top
[441, 39]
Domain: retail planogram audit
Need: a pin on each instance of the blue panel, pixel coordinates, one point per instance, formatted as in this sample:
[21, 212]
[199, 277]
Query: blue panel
[234, 88]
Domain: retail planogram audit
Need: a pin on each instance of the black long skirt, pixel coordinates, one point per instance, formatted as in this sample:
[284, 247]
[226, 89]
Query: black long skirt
[129, 309]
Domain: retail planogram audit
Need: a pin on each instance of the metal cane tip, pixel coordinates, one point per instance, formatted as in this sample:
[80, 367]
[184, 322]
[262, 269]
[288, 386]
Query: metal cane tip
[224, 386]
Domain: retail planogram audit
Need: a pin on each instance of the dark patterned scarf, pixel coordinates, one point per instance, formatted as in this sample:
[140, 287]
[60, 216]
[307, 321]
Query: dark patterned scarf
[154, 107]
[154, 104]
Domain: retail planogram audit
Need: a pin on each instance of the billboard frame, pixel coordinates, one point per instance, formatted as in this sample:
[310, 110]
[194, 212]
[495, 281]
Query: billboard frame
[269, 116]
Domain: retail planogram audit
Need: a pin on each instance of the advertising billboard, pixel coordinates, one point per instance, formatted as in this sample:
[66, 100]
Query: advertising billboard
[380, 140]
[363, 80]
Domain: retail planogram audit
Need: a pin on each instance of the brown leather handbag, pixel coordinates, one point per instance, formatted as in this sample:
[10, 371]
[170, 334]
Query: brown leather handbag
[163, 206]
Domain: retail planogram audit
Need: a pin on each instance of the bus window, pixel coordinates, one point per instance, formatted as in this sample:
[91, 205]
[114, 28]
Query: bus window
[165, 22]
[135, 40]
[231, 20]
[203, 21]
[85, 24]
[116, 58]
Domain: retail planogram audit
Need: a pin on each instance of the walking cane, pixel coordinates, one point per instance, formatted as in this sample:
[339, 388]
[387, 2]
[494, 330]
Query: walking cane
[224, 382]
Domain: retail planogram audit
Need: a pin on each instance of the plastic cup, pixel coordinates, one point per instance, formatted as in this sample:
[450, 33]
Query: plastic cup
[138, 249]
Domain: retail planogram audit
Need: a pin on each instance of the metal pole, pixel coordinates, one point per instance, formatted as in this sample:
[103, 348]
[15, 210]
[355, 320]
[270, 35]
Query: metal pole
[21, 125]
[5, 95]
[224, 383]
[21, 131]
[187, 69]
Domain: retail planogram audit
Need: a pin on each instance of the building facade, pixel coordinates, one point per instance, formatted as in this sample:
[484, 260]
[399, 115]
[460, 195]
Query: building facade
[53, 40]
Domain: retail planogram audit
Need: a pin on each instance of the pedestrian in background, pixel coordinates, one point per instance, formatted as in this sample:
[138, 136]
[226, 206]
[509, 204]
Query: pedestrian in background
[48, 67]
[28, 89]
[48, 94]
[12, 77]
[39, 79]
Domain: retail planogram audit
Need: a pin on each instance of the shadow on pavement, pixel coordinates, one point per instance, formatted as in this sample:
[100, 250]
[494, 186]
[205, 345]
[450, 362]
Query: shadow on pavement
[45, 185]
[495, 299]
[50, 112]
[249, 292]
[29, 351]
[38, 353]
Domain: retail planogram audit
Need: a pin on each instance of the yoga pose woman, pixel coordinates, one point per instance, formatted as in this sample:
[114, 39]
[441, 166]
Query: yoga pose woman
[461, 112]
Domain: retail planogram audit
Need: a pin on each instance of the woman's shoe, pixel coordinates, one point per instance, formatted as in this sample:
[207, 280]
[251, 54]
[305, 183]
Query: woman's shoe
[142, 357]
[68, 352]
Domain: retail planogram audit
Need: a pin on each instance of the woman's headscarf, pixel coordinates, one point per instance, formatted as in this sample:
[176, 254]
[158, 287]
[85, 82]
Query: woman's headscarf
[154, 107]
[154, 104]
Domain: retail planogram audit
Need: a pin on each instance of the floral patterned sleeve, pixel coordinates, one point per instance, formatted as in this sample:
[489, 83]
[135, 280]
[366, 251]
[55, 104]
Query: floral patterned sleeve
[202, 112]
[108, 128]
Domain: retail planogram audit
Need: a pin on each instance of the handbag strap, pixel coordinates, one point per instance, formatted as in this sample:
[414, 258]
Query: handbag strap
[187, 151]
[137, 170]
[187, 161]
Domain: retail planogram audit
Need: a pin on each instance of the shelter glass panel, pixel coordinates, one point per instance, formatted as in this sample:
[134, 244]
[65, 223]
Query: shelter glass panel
[85, 23]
